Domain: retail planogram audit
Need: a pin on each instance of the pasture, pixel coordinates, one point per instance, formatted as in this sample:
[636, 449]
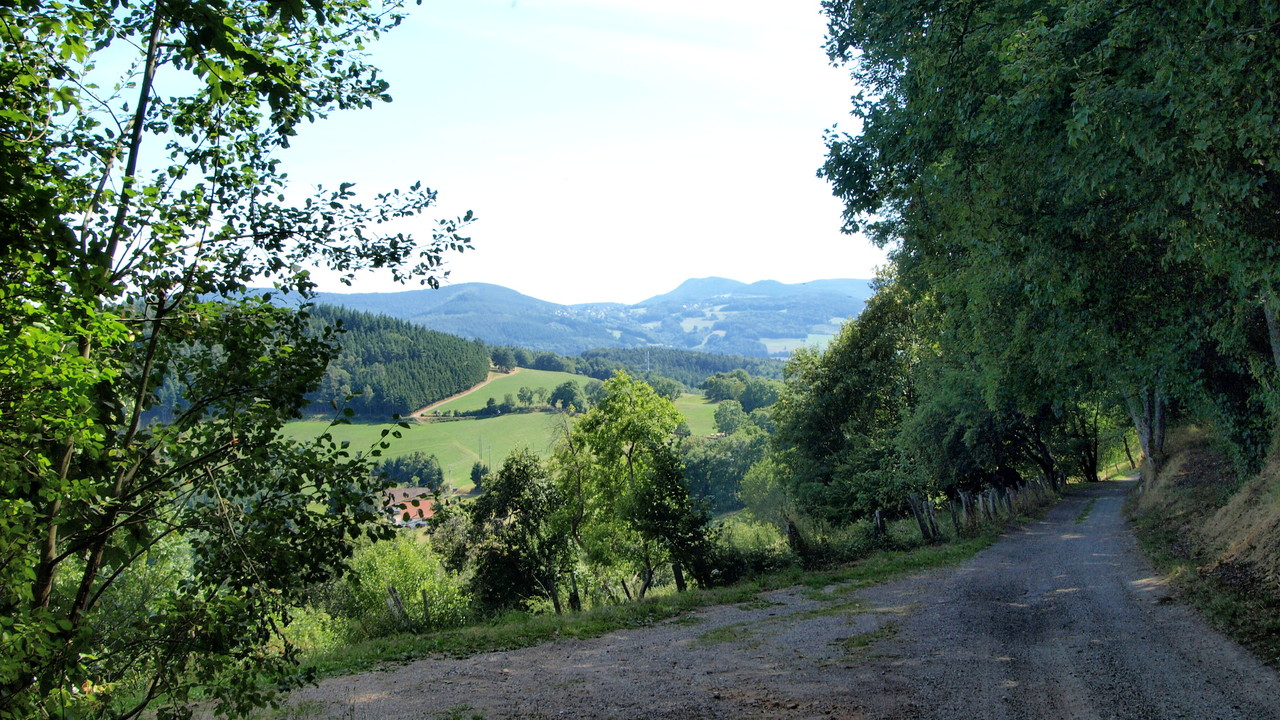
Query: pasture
[459, 443]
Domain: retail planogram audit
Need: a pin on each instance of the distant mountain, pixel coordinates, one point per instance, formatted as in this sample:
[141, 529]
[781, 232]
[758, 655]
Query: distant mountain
[761, 319]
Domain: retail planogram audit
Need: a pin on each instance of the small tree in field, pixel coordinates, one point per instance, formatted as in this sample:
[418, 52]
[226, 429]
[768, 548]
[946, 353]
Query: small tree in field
[479, 471]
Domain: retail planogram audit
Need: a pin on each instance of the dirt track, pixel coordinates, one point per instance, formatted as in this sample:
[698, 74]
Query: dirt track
[421, 412]
[1061, 619]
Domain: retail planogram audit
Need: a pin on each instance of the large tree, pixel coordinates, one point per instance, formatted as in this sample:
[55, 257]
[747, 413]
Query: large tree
[136, 210]
[839, 411]
[626, 507]
[1087, 213]
[518, 553]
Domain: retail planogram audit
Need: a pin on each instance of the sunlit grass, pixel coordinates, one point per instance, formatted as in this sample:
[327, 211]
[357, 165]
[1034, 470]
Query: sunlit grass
[520, 629]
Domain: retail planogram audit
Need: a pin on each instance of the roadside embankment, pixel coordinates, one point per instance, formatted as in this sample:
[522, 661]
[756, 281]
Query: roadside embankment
[1217, 536]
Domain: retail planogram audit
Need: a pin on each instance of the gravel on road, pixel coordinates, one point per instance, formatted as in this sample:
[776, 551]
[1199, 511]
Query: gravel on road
[1062, 618]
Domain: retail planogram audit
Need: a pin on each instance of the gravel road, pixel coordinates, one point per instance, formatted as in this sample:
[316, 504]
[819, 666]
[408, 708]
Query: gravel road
[1060, 619]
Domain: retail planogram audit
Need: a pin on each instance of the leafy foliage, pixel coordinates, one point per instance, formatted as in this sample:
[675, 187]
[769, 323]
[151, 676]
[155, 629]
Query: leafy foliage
[1085, 194]
[839, 411]
[516, 550]
[624, 507]
[714, 468]
[416, 469]
[116, 278]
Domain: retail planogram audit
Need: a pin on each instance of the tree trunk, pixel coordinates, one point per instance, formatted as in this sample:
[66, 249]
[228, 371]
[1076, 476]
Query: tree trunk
[678, 573]
[575, 597]
[554, 592]
[918, 510]
[1148, 414]
[1273, 329]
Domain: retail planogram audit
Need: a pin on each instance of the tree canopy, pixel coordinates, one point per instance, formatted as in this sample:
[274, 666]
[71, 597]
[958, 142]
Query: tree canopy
[1080, 201]
[136, 211]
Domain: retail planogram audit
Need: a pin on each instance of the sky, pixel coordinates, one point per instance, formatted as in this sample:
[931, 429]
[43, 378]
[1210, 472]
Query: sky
[610, 149]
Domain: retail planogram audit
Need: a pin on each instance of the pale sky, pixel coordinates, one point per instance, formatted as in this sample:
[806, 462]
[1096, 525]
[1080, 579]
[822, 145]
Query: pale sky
[610, 148]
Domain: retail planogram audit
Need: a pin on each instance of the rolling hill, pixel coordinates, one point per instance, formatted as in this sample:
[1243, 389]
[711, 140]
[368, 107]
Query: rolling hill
[762, 319]
[459, 443]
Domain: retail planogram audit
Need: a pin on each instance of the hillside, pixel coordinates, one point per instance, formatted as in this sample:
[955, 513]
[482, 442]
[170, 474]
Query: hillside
[714, 315]
[392, 366]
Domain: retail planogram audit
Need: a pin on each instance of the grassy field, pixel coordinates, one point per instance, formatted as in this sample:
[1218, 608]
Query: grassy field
[458, 444]
[503, 385]
[700, 414]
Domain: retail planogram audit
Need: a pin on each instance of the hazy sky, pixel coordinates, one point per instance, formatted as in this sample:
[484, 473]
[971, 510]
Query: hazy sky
[610, 148]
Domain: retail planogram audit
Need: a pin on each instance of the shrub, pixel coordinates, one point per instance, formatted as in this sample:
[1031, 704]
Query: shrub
[408, 564]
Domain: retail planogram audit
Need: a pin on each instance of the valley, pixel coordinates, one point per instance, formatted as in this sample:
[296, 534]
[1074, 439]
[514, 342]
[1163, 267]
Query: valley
[458, 443]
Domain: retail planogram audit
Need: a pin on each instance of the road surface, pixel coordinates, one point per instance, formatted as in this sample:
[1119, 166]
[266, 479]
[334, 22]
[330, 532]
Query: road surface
[1060, 619]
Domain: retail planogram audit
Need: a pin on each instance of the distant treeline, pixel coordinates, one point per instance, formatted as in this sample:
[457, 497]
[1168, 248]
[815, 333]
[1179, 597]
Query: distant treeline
[690, 368]
[684, 366]
[392, 366]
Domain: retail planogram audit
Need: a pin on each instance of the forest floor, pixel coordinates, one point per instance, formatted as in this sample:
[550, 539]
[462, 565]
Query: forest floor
[1063, 618]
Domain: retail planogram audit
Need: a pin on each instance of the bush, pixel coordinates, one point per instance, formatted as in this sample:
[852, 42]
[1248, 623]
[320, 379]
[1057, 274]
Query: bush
[828, 543]
[747, 547]
[408, 564]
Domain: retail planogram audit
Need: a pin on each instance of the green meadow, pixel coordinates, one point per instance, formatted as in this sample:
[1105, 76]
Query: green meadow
[500, 386]
[459, 443]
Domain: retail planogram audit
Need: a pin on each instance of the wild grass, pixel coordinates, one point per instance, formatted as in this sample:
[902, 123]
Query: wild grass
[521, 629]
[858, 645]
[1084, 512]
[1216, 537]
[1224, 594]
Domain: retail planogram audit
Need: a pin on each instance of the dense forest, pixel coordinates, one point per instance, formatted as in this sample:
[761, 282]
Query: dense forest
[388, 367]
[685, 366]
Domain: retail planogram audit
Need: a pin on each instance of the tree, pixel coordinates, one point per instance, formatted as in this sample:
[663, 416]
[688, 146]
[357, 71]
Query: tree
[839, 412]
[729, 416]
[517, 553]
[714, 468]
[117, 277]
[479, 471]
[568, 396]
[503, 358]
[666, 387]
[525, 396]
[613, 465]
[416, 469]
[593, 391]
[1085, 193]
[759, 393]
[722, 386]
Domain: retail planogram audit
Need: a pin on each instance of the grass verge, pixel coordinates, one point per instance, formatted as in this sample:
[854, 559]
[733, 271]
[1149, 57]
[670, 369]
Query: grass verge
[517, 630]
[1223, 593]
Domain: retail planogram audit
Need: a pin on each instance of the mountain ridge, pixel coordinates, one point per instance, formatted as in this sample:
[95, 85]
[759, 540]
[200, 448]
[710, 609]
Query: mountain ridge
[713, 314]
